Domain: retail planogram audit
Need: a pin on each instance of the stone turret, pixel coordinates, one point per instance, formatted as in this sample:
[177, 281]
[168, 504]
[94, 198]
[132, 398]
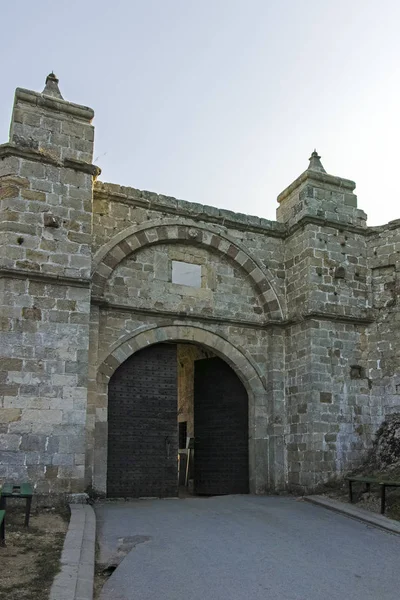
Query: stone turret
[46, 168]
[317, 194]
[46, 179]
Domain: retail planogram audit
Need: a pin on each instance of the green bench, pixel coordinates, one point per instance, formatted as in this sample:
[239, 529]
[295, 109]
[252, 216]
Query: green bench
[2, 528]
[381, 481]
[21, 490]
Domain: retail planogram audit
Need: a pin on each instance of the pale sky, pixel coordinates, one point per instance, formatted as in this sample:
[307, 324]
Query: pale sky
[221, 102]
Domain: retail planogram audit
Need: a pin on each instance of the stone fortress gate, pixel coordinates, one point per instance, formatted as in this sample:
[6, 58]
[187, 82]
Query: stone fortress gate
[275, 344]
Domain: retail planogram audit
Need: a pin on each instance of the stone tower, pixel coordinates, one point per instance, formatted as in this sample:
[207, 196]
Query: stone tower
[328, 304]
[46, 180]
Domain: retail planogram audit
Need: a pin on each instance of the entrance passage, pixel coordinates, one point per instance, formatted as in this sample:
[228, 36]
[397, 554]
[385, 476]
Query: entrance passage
[153, 390]
[142, 425]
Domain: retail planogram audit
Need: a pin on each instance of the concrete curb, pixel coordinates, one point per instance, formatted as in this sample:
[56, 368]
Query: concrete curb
[75, 580]
[356, 513]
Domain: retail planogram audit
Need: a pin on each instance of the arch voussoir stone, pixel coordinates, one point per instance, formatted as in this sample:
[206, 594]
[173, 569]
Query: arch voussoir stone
[112, 362]
[133, 243]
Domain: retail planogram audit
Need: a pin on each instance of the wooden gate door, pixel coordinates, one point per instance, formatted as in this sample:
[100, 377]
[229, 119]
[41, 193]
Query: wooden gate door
[221, 464]
[143, 425]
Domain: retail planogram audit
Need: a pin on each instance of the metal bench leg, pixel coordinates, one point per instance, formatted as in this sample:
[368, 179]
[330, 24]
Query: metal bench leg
[351, 491]
[367, 487]
[383, 499]
[28, 510]
[3, 532]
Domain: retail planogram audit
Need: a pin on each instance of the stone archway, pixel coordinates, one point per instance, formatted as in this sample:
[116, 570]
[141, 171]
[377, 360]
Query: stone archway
[134, 238]
[259, 442]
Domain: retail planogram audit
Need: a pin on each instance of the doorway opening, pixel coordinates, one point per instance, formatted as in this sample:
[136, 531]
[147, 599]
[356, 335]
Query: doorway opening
[177, 418]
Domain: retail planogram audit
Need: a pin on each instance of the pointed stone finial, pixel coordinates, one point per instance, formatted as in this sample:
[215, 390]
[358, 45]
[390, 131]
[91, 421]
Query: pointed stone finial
[315, 163]
[51, 87]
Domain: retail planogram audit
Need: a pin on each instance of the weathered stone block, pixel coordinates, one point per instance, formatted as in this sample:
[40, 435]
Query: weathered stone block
[10, 442]
[62, 459]
[11, 458]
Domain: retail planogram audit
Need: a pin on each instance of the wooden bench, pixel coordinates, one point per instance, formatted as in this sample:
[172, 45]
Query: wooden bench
[381, 481]
[2, 528]
[22, 490]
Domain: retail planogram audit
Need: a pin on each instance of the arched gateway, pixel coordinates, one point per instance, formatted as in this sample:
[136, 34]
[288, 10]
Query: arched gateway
[140, 381]
[147, 395]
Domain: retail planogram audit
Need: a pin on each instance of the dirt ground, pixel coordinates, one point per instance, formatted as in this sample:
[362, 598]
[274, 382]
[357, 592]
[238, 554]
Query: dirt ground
[100, 577]
[31, 558]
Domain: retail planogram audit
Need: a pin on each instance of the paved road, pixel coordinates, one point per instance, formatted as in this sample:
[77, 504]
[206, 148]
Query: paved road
[245, 548]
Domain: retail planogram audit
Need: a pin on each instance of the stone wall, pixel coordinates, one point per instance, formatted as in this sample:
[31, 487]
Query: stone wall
[144, 280]
[382, 347]
[119, 213]
[187, 354]
[304, 309]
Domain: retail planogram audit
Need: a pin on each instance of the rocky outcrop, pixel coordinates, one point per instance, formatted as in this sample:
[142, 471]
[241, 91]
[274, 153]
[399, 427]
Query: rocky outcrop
[384, 456]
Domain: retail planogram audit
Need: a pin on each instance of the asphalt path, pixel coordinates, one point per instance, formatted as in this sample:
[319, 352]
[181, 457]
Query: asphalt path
[244, 548]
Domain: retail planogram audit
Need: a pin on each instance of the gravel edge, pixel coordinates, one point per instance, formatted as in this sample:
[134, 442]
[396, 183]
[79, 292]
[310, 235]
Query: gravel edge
[356, 513]
[75, 580]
